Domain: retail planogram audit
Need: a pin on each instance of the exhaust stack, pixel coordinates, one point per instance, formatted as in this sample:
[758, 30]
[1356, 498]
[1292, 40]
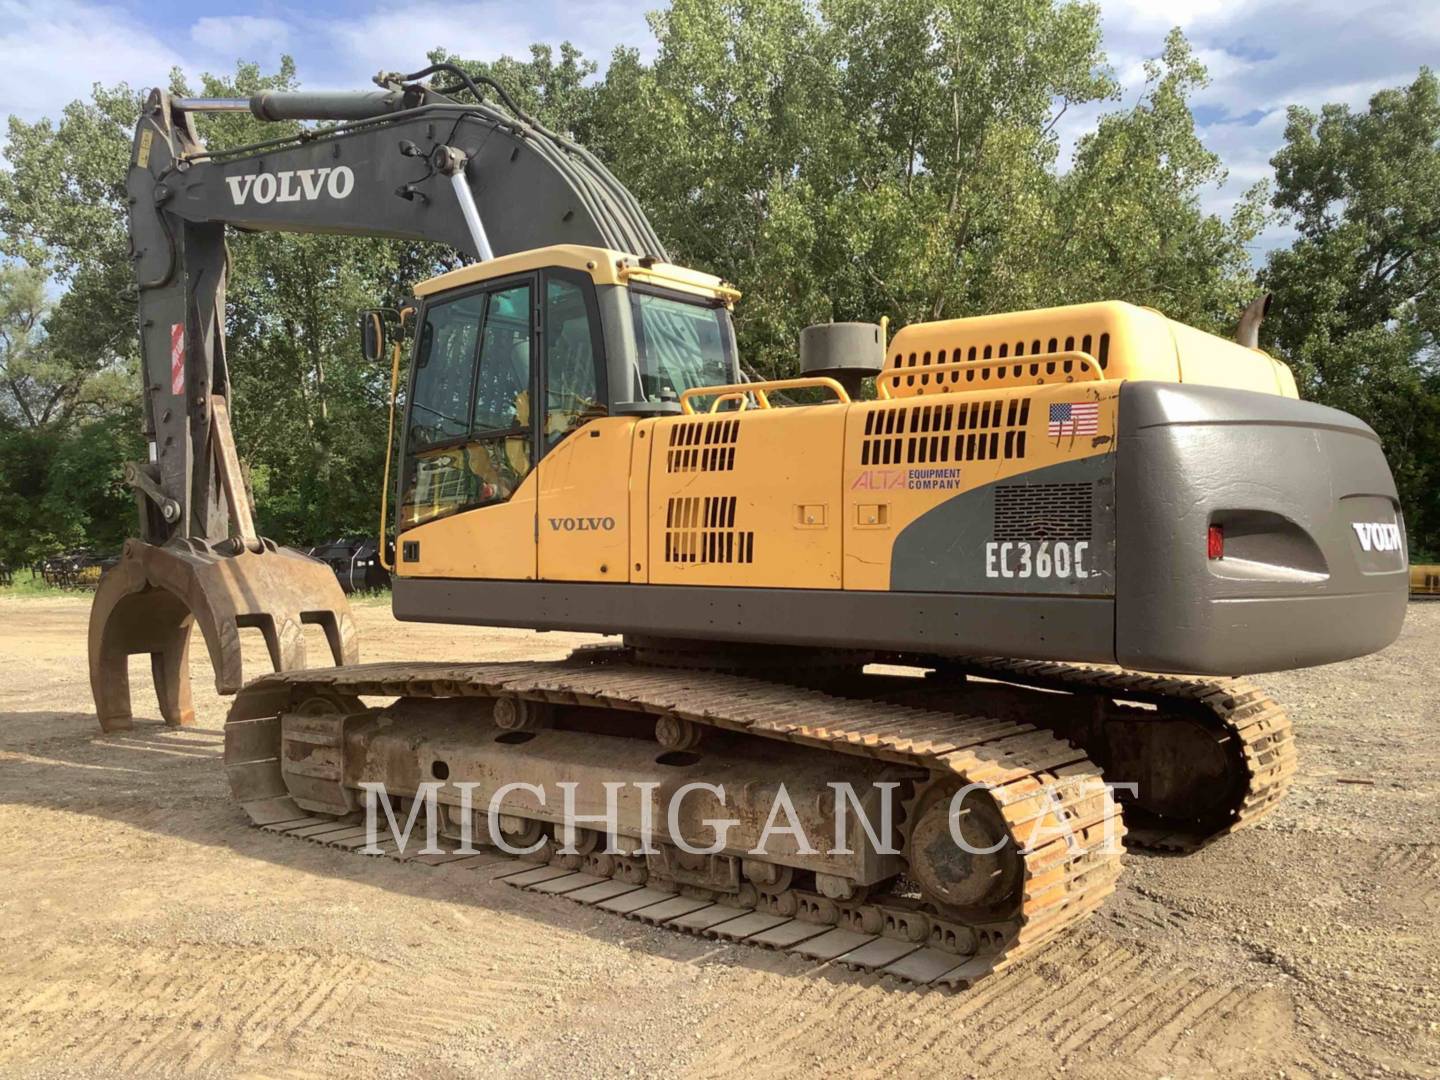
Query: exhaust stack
[1248, 332]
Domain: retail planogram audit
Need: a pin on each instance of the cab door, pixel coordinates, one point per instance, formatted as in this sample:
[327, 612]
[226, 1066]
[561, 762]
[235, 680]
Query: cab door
[584, 475]
[467, 497]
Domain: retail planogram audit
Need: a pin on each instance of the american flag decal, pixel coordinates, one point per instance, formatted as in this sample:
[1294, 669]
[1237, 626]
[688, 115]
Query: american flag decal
[1074, 418]
[177, 358]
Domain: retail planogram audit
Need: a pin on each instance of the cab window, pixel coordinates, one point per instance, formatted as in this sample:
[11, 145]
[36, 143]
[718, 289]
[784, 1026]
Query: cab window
[574, 372]
[469, 440]
[683, 342]
[444, 362]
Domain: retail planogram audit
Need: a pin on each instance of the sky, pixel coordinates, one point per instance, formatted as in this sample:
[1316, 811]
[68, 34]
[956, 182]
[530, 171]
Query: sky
[1263, 55]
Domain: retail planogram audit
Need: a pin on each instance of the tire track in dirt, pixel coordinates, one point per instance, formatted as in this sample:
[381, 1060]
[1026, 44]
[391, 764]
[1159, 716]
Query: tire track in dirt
[1096, 996]
[778, 1042]
[1421, 861]
[160, 1016]
[197, 1010]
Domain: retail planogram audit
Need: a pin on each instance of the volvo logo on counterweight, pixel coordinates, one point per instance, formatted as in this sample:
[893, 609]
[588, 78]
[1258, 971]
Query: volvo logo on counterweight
[292, 185]
[1378, 535]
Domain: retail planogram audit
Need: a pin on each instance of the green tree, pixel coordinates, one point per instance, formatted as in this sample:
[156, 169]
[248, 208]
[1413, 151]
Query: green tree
[900, 157]
[44, 378]
[28, 395]
[62, 212]
[60, 446]
[555, 92]
[1128, 219]
[1357, 311]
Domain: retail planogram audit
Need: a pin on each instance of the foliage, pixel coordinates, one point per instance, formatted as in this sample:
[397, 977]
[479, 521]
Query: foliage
[27, 585]
[557, 93]
[1357, 308]
[61, 488]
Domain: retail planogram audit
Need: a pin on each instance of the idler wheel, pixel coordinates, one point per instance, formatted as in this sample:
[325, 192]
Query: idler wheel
[977, 874]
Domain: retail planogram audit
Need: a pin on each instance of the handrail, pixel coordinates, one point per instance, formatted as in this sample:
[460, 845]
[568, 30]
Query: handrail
[743, 399]
[395, 354]
[761, 391]
[1089, 367]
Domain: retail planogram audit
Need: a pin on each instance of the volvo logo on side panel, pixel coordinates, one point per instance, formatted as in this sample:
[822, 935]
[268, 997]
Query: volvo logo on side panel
[582, 524]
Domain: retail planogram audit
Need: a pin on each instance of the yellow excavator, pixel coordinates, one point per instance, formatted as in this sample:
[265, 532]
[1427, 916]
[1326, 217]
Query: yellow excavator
[938, 596]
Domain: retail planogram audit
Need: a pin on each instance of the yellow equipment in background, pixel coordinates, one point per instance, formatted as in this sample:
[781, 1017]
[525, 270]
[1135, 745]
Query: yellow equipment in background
[1425, 580]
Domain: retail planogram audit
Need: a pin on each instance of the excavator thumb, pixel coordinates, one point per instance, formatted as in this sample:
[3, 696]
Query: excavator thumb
[151, 599]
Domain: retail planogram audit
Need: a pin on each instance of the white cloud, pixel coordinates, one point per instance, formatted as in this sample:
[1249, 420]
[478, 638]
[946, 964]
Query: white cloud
[241, 35]
[398, 38]
[390, 39]
[1265, 55]
[55, 50]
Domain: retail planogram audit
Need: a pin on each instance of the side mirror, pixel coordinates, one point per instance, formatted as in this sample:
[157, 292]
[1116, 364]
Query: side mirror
[372, 335]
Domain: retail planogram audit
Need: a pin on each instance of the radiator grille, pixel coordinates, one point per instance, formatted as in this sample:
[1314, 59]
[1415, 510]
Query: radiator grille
[1097, 345]
[701, 529]
[1043, 511]
[702, 446]
[954, 431]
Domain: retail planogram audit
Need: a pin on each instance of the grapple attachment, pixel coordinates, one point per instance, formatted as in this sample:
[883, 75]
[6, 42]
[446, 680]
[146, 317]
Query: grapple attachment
[150, 600]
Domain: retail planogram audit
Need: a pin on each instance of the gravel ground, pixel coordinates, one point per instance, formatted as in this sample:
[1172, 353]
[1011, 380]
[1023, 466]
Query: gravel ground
[146, 930]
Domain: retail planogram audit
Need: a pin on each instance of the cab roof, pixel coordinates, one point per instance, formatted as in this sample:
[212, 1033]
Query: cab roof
[605, 267]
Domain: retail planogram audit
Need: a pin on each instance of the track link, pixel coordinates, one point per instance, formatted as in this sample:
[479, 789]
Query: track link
[1242, 721]
[1041, 786]
[1256, 731]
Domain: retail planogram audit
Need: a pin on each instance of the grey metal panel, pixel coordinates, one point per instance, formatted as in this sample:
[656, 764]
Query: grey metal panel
[1036, 627]
[524, 201]
[1152, 404]
[1288, 480]
[946, 549]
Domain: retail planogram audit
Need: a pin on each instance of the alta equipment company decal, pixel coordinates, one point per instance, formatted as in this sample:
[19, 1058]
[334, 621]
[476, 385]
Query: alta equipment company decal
[907, 479]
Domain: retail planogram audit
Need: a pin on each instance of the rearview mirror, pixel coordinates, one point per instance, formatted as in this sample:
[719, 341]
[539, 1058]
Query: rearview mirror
[372, 335]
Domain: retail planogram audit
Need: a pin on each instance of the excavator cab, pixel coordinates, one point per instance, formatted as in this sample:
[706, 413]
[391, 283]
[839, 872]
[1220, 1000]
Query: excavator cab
[513, 357]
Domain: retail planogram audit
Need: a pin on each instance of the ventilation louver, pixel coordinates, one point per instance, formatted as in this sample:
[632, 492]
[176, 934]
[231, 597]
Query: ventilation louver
[702, 446]
[701, 529]
[1096, 345]
[962, 430]
[1038, 512]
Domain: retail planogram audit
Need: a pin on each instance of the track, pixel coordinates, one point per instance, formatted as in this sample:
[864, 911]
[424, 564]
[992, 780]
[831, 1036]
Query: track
[1246, 738]
[1210, 756]
[1255, 731]
[1036, 782]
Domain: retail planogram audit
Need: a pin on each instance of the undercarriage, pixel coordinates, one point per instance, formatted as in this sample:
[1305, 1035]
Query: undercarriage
[933, 828]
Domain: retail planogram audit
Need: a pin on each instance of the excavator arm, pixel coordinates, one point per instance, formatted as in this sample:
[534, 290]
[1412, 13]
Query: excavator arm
[403, 161]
